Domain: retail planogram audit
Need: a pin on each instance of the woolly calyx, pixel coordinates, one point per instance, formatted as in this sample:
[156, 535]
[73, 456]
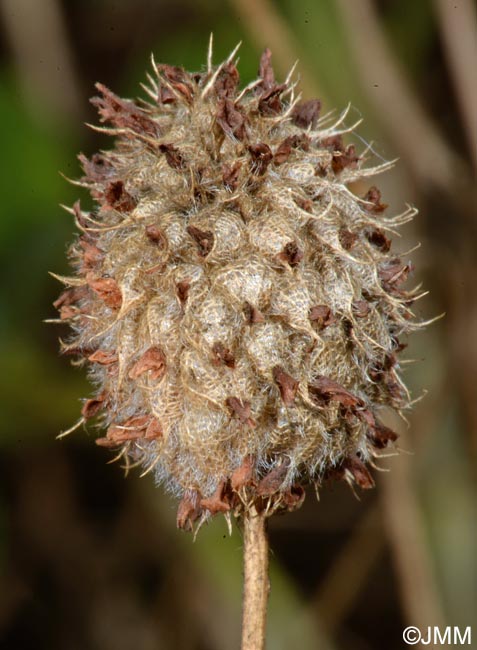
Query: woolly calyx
[237, 305]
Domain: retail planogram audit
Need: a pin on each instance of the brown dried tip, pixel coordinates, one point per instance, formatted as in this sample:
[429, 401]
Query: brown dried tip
[347, 238]
[324, 390]
[265, 70]
[222, 356]
[179, 84]
[182, 289]
[231, 118]
[174, 158]
[322, 315]
[379, 239]
[273, 481]
[97, 169]
[231, 174]
[393, 273]
[285, 148]
[93, 406]
[343, 159]
[241, 409]
[220, 501]
[291, 254]
[156, 235]
[227, 81]
[152, 361]
[381, 435]
[244, 474]
[103, 358]
[117, 197]
[253, 314]
[270, 102]
[306, 114]
[359, 472]
[287, 385]
[107, 289]
[204, 239]
[361, 308]
[261, 155]
[123, 114]
[91, 255]
[189, 510]
[373, 196]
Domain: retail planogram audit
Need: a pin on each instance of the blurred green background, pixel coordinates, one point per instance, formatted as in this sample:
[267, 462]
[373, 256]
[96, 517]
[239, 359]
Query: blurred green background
[90, 561]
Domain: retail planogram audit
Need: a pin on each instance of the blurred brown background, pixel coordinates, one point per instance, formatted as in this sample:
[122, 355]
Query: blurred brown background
[90, 561]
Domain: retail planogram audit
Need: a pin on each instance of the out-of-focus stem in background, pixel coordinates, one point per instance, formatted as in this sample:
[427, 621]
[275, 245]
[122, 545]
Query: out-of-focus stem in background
[41, 51]
[458, 27]
[407, 124]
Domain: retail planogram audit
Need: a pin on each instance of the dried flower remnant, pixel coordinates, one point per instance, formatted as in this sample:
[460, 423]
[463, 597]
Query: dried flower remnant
[237, 305]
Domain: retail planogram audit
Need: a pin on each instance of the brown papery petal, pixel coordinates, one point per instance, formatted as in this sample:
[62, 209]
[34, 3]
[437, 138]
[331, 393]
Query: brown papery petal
[287, 385]
[153, 361]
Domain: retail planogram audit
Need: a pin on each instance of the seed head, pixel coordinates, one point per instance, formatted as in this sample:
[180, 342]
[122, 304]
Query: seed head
[237, 304]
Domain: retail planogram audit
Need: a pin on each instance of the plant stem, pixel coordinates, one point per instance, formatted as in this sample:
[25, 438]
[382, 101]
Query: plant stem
[256, 582]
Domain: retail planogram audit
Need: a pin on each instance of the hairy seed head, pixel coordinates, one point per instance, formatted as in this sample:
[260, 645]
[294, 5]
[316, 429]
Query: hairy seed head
[238, 306]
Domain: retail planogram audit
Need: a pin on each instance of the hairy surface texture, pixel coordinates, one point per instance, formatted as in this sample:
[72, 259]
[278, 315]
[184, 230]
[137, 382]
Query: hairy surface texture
[238, 306]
